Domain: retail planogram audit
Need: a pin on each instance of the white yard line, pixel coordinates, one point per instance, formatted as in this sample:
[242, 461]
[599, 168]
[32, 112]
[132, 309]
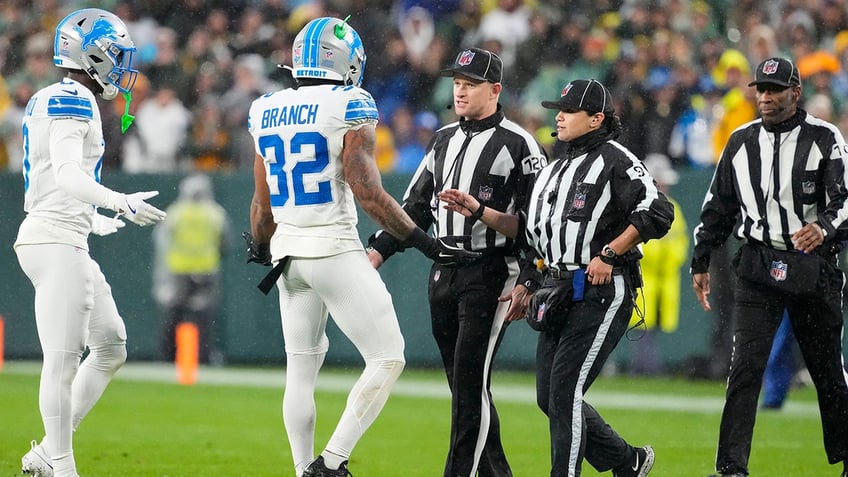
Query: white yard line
[409, 386]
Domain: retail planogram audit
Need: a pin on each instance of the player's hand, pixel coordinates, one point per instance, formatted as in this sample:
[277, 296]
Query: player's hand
[375, 257]
[257, 252]
[701, 285]
[452, 255]
[139, 212]
[443, 251]
[446, 251]
[103, 225]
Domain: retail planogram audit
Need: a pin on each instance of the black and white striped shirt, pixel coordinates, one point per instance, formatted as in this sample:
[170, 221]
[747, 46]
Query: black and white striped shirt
[585, 199]
[493, 159]
[771, 181]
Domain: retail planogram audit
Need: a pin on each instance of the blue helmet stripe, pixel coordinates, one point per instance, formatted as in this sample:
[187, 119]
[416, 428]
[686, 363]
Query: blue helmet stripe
[364, 108]
[312, 42]
[70, 106]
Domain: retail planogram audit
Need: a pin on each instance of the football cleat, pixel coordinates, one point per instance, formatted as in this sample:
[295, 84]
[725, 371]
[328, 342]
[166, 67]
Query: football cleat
[36, 462]
[318, 469]
[643, 465]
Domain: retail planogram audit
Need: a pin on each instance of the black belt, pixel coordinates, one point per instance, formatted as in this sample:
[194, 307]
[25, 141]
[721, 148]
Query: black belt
[558, 274]
[271, 278]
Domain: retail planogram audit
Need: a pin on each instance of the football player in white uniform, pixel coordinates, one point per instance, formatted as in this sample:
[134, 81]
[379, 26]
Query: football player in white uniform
[314, 154]
[74, 308]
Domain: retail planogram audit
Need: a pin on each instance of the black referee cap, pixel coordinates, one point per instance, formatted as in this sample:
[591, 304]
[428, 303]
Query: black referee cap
[586, 95]
[778, 71]
[477, 64]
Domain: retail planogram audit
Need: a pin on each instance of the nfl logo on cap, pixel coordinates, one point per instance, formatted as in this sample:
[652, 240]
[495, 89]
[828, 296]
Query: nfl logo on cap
[465, 58]
[770, 67]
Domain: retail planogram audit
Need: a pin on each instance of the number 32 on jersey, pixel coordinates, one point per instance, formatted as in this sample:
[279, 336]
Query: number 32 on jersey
[310, 152]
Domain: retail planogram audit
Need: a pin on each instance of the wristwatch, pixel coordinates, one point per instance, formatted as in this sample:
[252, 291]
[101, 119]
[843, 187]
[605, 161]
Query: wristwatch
[608, 255]
[531, 285]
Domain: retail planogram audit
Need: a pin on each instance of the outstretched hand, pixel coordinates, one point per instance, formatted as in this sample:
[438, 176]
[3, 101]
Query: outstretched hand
[139, 212]
[450, 254]
[459, 201]
[444, 251]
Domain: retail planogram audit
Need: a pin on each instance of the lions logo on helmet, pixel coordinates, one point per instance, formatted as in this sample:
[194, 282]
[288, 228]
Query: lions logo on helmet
[98, 43]
[328, 48]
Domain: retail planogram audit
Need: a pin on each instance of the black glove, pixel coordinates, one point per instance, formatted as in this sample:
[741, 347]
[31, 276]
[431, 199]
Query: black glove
[439, 250]
[257, 253]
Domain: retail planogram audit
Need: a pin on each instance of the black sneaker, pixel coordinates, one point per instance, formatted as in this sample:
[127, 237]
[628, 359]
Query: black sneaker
[644, 463]
[318, 469]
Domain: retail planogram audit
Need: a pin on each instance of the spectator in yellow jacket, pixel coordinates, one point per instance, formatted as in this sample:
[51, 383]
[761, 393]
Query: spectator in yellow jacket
[738, 106]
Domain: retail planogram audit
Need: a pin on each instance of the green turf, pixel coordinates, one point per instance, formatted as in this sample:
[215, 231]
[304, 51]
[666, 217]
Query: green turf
[152, 429]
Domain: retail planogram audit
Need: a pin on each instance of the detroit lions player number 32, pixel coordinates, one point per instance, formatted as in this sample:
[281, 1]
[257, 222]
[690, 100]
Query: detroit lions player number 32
[314, 155]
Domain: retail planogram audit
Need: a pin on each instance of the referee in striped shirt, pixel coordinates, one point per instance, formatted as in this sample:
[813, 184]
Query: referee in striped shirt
[493, 158]
[780, 186]
[588, 210]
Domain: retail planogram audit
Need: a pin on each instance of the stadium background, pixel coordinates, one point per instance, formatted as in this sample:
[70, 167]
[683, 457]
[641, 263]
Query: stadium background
[645, 50]
[249, 330]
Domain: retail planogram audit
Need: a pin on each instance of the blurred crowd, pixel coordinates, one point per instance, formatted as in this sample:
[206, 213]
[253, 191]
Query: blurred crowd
[679, 68]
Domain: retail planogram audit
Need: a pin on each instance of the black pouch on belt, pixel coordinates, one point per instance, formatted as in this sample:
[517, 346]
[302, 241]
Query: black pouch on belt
[550, 304]
[785, 271]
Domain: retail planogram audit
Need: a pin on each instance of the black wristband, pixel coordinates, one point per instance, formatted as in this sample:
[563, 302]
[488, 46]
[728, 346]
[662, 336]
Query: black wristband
[605, 259]
[478, 213]
[385, 244]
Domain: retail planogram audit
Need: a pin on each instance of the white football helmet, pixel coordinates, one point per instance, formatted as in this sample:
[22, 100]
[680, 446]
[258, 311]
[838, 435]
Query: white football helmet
[97, 42]
[328, 48]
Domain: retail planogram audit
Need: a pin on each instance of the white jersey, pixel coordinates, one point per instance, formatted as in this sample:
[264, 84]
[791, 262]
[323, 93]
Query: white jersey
[300, 134]
[61, 125]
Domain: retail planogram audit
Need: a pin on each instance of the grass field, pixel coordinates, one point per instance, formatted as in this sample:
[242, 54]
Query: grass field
[229, 424]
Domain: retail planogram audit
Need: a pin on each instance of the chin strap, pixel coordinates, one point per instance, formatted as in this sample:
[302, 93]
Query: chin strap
[126, 118]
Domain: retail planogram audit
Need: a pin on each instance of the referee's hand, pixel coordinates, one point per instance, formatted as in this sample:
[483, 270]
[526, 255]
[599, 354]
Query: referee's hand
[701, 285]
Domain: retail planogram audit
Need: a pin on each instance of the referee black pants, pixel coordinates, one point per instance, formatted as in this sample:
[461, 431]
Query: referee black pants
[468, 325]
[567, 363]
[818, 325]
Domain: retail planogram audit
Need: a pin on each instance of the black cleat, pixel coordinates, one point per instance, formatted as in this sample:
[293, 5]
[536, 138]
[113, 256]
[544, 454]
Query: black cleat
[644, 463]
[318, 469]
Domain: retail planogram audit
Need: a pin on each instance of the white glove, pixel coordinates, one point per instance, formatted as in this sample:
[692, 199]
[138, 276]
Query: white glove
[139, 212]
[103, 225]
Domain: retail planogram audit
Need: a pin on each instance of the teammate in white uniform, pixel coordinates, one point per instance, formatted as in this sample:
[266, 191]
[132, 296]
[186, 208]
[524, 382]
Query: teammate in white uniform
[314, 155]
[74, 308]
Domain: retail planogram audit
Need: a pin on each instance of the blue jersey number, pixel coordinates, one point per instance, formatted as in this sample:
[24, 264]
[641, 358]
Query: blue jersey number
[317, 164]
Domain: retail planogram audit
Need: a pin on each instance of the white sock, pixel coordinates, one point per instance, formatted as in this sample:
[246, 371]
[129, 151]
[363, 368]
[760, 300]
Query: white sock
[332, 461]
[299, 405]
[65, 466]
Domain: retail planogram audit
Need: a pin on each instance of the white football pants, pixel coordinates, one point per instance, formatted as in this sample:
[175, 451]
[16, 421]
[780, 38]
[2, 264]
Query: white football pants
[74, 308]
[347, 287]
